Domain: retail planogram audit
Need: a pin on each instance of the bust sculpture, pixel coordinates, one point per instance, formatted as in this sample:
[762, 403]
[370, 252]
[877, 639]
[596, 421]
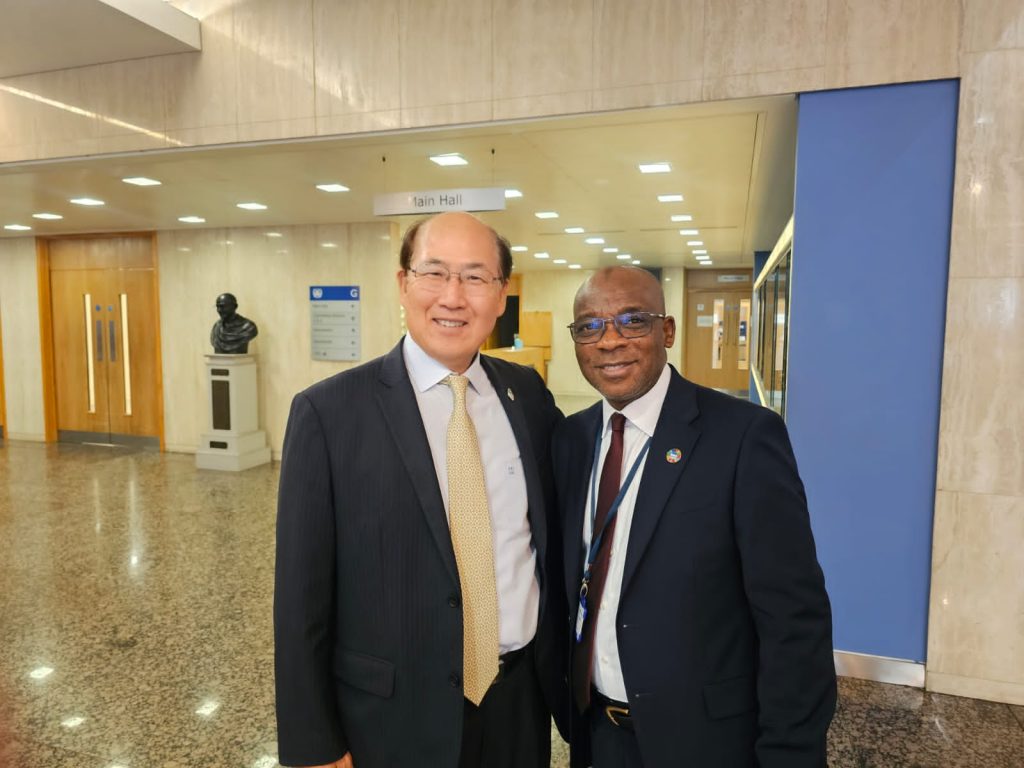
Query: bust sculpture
[232, 333]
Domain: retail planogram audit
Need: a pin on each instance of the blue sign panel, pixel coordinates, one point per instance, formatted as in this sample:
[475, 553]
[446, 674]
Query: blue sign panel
[334, 322]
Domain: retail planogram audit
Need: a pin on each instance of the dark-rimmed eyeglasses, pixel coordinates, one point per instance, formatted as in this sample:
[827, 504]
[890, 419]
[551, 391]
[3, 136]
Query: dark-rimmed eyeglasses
[434, 277]
[630, 325]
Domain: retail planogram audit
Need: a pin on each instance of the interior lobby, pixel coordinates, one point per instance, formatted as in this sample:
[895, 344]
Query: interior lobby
[156, 154]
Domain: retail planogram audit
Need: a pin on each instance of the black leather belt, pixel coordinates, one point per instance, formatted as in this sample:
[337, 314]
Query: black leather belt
[617, 712]
[509, 661]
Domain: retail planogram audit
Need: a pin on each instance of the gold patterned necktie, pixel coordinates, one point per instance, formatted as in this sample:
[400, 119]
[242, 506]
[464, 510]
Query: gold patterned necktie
[469, 519]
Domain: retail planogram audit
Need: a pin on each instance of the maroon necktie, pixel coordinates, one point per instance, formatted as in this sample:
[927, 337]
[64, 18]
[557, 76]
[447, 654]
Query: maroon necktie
[583, 651]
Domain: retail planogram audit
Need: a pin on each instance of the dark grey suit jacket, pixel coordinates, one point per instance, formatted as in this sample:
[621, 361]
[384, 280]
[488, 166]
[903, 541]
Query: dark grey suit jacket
[724, 626]
[367, 606]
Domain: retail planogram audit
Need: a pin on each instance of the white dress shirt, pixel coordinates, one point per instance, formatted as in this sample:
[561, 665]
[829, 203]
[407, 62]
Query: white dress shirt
[641, 419]
[515, 562]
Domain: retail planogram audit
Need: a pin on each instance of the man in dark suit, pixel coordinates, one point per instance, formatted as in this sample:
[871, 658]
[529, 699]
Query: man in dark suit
[702, 633]
[417, 618]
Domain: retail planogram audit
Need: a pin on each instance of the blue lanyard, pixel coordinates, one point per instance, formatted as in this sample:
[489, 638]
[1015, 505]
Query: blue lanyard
[597, 536]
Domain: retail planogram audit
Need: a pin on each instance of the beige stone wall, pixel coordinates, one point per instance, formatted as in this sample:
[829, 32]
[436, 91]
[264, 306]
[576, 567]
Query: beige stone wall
[19, 319]
[271, 69]
[270, 278]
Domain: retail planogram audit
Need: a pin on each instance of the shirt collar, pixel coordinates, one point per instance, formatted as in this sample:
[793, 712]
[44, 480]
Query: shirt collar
[425, 372]
[643, 412]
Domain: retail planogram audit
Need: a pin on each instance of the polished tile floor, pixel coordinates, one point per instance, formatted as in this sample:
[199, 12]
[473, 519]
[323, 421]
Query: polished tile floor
[135, 596]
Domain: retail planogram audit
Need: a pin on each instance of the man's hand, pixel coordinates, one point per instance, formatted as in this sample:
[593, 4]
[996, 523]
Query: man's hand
[344, 762]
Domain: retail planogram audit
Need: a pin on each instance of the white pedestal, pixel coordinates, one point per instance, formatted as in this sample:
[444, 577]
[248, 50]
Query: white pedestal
[234, 441]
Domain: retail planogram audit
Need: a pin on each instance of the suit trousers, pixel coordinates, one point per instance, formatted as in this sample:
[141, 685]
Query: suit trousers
[611, 746]
[511, 727]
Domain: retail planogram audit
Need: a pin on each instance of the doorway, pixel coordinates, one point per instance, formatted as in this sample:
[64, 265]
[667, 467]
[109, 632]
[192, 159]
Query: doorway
[718, 329]
[104, 314]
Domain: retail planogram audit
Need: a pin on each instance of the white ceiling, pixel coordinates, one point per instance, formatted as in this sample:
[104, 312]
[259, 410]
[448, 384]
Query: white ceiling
[45, 35]
[733, 162]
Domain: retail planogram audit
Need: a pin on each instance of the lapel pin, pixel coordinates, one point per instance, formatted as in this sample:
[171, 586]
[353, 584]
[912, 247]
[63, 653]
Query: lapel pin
[509, 393]
[673, 455]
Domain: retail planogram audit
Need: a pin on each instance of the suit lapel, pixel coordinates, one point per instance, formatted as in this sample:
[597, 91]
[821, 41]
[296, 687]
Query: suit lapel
[398, 404]
[582, 456]
[517, 419]
[674, 432]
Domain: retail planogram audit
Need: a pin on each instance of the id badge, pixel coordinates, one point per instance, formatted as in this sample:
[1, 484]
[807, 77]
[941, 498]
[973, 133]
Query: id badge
[581, 617]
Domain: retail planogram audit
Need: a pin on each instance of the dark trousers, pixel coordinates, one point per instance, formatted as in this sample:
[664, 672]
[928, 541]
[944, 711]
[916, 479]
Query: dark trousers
[511, 727]
[611, 746]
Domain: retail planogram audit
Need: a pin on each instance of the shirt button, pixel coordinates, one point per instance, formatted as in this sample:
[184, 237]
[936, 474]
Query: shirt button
[453, 600]
[454, 680]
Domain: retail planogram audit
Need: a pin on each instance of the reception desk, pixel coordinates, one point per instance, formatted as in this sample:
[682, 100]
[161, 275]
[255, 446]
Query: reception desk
[536, 357]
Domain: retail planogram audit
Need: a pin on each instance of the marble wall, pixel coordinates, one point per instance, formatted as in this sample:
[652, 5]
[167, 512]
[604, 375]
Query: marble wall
[270, 277]
[19, 321]
[272, 70]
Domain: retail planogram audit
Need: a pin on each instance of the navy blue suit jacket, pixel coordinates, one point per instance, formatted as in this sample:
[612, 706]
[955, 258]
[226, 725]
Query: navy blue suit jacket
[724, 626]
[367, 602]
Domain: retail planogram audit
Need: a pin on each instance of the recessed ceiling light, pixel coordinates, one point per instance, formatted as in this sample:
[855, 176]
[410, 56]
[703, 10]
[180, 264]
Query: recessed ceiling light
[253, 206]
[546, 215]
[510, 193]
[682, 217]
[542, 255]
[17, 227]
[332, 187]
[274, 234]
[624, 256]
[47, 216]
[610, 250]
[700, 253]
[141, 181]
[192, 219]
[574, 230]
[689, 231]
[702, 258]
[559, 261]
[449, 158]
[634, 262]
[575, 266]
[86, 201]
[328, 245]
[655, 167]
[594, 241]
[670, 198]
[695, 242]
[519, 248]
[706, 263]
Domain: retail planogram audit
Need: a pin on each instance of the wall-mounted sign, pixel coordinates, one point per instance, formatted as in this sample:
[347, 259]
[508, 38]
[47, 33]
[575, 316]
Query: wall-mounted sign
[439, 201]
[705, 321]
[334, 322]
[734, 278]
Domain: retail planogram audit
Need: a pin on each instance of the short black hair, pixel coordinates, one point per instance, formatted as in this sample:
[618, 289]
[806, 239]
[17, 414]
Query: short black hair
[409, 245]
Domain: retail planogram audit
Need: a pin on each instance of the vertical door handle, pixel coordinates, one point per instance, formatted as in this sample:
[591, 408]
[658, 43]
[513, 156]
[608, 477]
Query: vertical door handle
[126, 354]
[90, 370]
[99, 341]
[113, 343]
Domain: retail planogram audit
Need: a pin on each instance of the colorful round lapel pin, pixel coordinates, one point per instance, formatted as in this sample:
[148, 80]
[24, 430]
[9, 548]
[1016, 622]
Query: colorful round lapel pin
[673, 455]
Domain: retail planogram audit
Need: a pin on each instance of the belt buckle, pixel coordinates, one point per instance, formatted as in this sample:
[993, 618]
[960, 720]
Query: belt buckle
[611, 710]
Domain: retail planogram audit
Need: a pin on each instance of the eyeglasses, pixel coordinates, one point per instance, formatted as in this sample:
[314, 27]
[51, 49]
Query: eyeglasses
[434, 277]
[630, 325]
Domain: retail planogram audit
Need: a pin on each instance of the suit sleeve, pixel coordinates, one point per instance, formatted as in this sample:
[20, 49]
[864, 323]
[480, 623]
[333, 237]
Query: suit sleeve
[796, 684]
[309, 730]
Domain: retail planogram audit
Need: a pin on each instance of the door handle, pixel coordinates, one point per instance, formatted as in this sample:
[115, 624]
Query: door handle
[89, 366]
[113, 343]
[99, 341]
[126, 354]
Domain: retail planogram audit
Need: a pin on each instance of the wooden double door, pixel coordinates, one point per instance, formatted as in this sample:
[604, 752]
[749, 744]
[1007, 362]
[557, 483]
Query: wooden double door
[105, 341]
[718, 329]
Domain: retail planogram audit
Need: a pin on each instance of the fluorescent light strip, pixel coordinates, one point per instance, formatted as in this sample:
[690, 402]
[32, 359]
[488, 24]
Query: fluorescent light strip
[670, 198]
[695, 242]
[682, 217]
[610, 250]
[449, 158]
[511, 193]
[559, 261]
[635, 262]
[17, 227]
[700, 253]
[574, 230]
[624, 256]
[546, 215]
[192, 219]
[542, 255]
[86, 201]
[47, 216]
[594, 241]
[575, 266]
[655, 167]
[252, 206]
[686, 232]
[332, 187]
[519, 248]
[141, 181]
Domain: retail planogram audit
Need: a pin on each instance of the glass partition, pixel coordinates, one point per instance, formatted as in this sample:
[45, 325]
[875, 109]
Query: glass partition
[771, 333]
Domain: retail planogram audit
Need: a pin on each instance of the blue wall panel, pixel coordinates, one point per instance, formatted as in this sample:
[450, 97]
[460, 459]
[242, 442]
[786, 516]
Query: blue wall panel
[871, 250]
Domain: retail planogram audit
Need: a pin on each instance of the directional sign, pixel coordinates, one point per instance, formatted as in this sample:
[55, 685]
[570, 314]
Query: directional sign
[334, 322]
